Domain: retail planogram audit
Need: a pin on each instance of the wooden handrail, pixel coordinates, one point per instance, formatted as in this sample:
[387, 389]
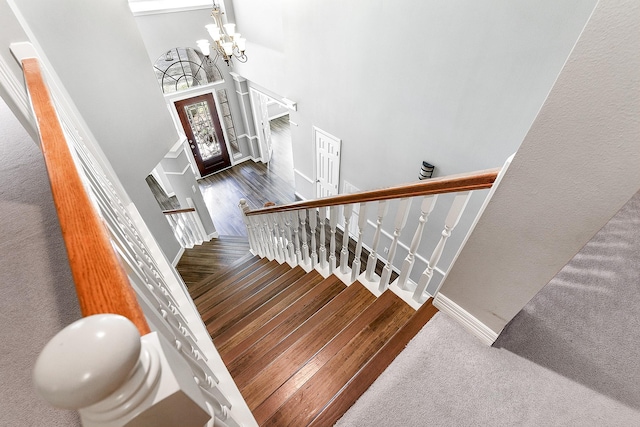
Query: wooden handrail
[101, 282]
[447, 184]
[177, 211]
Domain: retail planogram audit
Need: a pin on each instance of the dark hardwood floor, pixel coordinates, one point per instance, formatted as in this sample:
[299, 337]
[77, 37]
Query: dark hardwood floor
[249, 180]
[281, 162]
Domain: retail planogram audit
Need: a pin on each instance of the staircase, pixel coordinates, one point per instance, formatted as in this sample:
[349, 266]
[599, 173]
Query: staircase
[301, 348]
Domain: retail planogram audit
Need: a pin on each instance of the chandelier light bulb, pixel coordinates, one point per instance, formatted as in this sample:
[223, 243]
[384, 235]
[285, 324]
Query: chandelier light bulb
[241, 43]
[204, 46]
[230, 29]
[228, 48]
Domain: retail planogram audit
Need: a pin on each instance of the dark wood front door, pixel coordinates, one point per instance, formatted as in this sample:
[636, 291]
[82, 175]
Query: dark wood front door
[201, 125]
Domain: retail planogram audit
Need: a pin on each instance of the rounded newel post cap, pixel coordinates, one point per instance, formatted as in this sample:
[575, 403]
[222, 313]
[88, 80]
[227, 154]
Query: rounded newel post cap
[87, 361]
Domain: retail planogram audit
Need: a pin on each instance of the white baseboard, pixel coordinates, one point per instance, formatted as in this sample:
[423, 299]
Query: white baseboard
[466, 319]
[176, 260]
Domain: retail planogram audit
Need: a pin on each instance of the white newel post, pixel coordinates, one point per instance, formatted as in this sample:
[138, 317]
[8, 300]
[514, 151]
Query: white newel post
[401, 221]
[313, 228]
[244, 208]
[428, 203]
[383, 208]
[101, 367]
[453, 217]
[362, 221]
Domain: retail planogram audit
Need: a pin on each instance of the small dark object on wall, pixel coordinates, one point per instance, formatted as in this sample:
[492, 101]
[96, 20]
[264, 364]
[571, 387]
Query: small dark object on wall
[426, 171]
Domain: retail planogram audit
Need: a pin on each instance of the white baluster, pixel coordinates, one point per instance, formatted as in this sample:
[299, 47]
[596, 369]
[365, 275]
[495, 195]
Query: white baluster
[453, 217]
[322, 216]
[278, 239]
[401, 220]
[362, 221]
[302, 214]
[344, 253]
[101, 367]
[333, 222]
[285, 220]
[383, 208]
[427, 206]
[296, 237]
[313, 227]
[269, 237]
[258, 235]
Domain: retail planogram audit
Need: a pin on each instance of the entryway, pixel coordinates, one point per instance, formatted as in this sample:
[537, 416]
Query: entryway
[199, 119]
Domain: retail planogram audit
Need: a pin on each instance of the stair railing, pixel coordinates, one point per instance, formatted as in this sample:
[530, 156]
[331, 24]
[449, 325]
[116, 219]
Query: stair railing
[186, 225]
[321, 216]
[141, 355]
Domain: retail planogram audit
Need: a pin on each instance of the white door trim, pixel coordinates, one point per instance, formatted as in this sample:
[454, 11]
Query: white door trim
[338, 142]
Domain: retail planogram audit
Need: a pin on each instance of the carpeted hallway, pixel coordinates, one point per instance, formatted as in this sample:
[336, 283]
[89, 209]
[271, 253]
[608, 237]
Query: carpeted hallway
[569, 358]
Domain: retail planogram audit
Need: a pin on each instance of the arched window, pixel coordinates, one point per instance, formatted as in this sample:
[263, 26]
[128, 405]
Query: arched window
[181, 68]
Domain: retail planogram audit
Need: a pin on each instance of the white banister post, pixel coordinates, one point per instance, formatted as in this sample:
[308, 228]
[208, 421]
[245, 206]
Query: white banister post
[362, 221]
[344, 253]
[428, 203]
[401, 220]
[269, 237]
[101, 367]
[383, 208]
[302, 214]
[244, 208]
[296, 237]
[313, 227]
[322, 214]
[278, 241]
[290, 250]
[333, 222]
[453, 217]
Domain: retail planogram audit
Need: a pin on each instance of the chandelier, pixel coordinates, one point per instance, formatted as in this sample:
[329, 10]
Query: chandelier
[227, 43]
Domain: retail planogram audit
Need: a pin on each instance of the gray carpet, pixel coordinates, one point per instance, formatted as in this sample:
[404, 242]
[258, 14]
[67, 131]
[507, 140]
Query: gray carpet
[36, 289]
[570, 358]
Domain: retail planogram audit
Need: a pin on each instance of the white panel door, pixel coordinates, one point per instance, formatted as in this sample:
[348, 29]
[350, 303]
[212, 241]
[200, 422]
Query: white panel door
[263, 127]
[327, 163]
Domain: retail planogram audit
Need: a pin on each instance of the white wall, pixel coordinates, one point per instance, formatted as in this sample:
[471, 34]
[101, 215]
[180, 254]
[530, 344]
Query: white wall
[454, 82]
[576, 167]
[96, 51]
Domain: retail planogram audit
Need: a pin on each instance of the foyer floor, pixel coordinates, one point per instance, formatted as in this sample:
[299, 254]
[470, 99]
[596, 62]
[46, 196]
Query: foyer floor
[257, 182]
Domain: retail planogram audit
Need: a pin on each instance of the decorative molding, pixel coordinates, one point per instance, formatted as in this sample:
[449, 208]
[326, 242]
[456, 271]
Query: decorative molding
[186, 168]
[466, 319]
[177, 149]
[244, 135]
[237, 77]
[300, 174]
[154, 7]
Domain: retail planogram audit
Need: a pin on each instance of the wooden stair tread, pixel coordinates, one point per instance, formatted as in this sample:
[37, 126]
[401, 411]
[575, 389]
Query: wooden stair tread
[302, 345]
[218, 292]
[360, 382]
[231, 299]
[225, 279]
[254, 321]
[283, 324]
[268, 407]
[243, 262]
[244, 309]
[312, 397]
